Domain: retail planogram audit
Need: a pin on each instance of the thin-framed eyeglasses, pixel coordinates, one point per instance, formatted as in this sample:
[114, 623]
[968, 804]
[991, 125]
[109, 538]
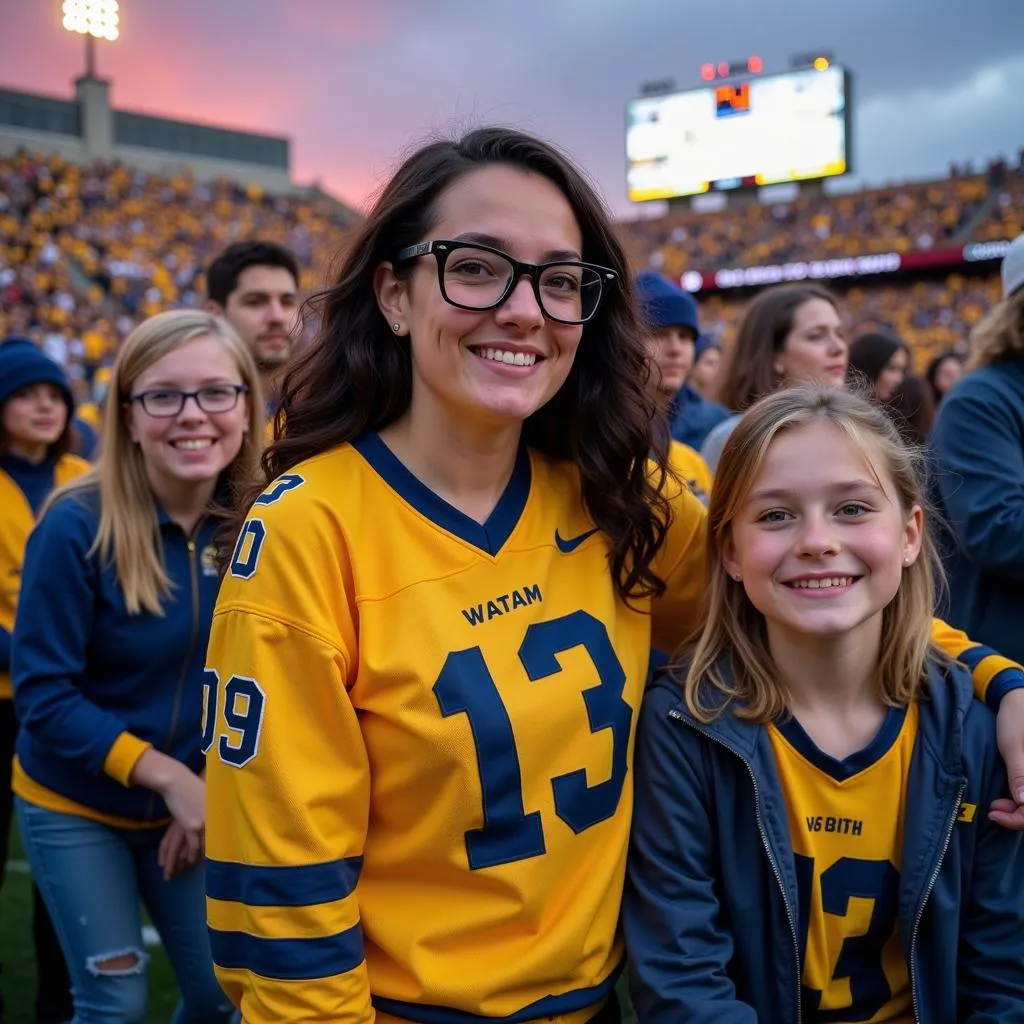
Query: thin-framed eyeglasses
[478, 277]
[167, 402]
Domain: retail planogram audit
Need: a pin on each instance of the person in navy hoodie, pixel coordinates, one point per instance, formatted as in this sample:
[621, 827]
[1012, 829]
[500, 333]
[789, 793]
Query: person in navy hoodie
[118, 586]
[817, 833]
[978, 441]
[670, 314]
[36, 406]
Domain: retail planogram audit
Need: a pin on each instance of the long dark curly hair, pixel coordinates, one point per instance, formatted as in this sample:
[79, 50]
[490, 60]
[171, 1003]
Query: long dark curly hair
[357, 375]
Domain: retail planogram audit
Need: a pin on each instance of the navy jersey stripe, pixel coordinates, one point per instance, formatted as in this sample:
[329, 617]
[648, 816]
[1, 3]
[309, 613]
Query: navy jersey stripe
[302, 886]
[549, 1006]
[288, 959]
[973, 656]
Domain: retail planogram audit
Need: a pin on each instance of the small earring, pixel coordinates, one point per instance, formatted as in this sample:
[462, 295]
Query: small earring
[396, 327]
[737, 577]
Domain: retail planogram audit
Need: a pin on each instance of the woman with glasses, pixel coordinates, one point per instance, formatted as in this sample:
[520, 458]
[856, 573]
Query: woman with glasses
[435, 625]
[433, 629]
[117, 596]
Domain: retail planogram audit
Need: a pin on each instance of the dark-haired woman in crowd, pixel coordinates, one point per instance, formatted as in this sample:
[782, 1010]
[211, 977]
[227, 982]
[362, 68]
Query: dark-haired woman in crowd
[792, 333]
[880, 360]
[436, 622]
[943, 372]
[913, 409]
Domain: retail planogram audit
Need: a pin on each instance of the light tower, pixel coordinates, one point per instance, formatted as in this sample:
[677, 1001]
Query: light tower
[94, 19]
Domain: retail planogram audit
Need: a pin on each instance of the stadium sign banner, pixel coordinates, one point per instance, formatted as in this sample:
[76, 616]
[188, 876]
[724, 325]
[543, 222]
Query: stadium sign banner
[840, 268]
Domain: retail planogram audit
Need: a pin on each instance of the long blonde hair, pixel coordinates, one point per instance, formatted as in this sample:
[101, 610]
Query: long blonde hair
[731, 653]
[128, 535]
[1000, 334]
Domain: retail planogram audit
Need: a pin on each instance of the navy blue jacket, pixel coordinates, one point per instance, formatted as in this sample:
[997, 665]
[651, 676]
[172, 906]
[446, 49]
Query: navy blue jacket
[978, 439]
[693, 417]
[711, 890]
[85, 671]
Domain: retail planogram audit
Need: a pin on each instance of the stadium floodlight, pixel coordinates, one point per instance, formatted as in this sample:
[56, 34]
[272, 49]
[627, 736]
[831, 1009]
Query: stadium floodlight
[94, 19]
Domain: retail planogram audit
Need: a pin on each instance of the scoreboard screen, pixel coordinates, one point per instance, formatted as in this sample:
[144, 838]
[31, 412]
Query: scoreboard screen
[753, 131]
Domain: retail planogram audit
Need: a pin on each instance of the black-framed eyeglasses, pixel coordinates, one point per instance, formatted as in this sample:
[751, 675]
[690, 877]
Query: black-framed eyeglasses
[474, 276]
[167, 402]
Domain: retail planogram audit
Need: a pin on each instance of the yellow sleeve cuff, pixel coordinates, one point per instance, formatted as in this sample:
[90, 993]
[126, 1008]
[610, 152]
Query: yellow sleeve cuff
[123, 756]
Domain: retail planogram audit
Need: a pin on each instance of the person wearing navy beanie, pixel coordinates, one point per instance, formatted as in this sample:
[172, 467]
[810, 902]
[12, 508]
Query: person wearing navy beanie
[668, 316]
[36, 407]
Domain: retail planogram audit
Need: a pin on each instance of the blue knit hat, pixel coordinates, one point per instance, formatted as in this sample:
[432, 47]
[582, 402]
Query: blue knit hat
[23, 363]
[662, 304]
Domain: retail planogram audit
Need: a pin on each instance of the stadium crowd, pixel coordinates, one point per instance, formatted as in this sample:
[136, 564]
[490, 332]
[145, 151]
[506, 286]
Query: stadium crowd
[182, 299]
[87, 252]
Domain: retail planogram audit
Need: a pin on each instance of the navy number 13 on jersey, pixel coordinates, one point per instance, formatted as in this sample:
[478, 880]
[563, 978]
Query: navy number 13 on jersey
[465, 686]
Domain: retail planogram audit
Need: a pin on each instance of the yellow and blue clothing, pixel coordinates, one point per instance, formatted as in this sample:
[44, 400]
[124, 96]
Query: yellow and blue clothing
[693, 416]
[725, 919]
[419, 731]
[24, 486]
[86, 438]
[94, 687]
[846, 820]
[690, 467]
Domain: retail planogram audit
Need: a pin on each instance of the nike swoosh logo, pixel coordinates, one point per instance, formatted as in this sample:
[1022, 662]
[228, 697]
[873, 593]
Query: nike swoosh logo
[565, 545]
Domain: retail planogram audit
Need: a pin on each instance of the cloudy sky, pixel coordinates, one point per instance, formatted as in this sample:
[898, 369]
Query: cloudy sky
[355, 82]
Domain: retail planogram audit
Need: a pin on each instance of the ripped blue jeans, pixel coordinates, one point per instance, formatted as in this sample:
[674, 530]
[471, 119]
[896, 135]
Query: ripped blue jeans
[93, 878]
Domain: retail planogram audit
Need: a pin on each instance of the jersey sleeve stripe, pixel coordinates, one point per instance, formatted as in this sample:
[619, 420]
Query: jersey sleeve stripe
[1002, 683]
[972, 656]
[288, 959]
[995, 674]
[548, 1006]
[292, 886]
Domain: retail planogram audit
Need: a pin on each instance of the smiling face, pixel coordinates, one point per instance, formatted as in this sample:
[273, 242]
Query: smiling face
[822, 539]
[815, 350]
[34, 417]
[193, 447]
[496, 367]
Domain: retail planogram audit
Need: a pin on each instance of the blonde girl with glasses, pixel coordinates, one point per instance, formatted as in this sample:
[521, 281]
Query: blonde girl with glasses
[109, 647]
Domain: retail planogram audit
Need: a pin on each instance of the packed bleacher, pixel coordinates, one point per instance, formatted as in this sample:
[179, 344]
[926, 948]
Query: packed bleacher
[898, 218]
[931, 316]
[87, 252]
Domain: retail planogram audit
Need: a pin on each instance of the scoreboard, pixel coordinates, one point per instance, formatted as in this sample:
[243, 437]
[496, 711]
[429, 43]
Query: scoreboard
[748, 132]
[732, 99]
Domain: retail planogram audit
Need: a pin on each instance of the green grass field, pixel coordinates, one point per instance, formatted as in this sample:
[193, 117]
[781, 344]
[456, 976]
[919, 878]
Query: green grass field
[19, 974]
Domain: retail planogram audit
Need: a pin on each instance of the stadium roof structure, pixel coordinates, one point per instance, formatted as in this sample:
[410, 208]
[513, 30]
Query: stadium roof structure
[88, 128]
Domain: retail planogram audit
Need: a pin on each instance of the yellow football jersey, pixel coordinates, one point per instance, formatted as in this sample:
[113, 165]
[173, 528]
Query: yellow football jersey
[419, 729]
[688, 465]
[846, 826]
